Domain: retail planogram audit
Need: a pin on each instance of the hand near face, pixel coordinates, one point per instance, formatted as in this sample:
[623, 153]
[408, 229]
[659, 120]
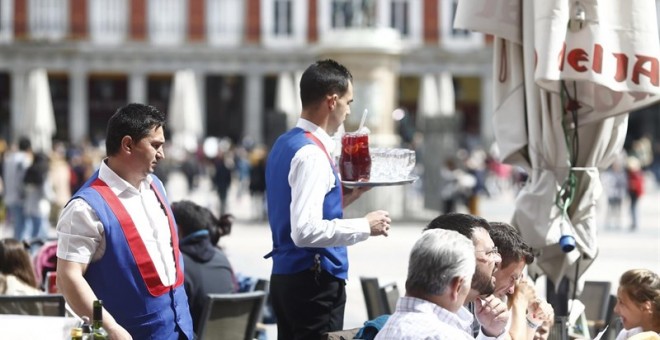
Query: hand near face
[541, 311]
[524, 293]
[492, 314]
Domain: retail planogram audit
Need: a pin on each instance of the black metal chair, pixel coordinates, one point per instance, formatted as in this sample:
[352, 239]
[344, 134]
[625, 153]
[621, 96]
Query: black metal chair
[596, 299]
[559, 330]
[390, 295]
[379, 300]
[231, 316]
[614, 324]
[47, 304]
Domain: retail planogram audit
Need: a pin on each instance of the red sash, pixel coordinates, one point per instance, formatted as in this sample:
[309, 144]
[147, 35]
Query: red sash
[332, 163]
[138, 249]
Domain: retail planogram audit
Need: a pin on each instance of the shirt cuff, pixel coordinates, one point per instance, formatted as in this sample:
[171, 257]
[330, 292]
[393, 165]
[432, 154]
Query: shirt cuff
[483, 336]
[362, 226]
[74, 258]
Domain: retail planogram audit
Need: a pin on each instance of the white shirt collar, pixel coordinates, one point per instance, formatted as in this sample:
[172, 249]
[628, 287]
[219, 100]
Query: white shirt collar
[318, 132]
[118, 184]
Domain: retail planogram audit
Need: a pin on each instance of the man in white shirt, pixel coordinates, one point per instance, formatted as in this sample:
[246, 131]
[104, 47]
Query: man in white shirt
[491, 312]
[440, 272]
[305, 210]
[117, 240]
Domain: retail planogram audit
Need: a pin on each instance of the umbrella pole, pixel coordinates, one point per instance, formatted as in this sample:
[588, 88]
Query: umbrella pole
[558, 298]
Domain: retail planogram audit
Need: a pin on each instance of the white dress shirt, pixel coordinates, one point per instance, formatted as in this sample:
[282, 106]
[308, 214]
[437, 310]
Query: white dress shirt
[80, 232]
[466, 315]
[311, 178]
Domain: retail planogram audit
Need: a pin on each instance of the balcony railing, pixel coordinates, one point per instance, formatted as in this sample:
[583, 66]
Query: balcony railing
[405, 16]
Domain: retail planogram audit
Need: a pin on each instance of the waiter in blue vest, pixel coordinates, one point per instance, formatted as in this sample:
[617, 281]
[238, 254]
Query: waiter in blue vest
[117, 239]
[305, 210]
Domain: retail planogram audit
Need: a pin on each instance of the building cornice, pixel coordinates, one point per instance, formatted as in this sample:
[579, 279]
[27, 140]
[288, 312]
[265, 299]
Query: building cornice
[147, 58]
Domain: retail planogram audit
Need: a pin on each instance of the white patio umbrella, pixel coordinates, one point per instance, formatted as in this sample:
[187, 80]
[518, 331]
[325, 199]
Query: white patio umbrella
[428, 102]
[561, 102]
[285, 98]
[38, 123]
[185, 115]
[447, 94]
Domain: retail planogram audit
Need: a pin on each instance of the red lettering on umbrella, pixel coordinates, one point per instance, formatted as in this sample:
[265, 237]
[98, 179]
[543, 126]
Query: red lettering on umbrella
[598, 59]
[575, 57]
[639, 69]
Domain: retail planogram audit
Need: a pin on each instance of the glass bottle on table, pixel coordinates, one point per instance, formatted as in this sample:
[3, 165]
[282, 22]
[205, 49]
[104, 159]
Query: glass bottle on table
[76, 333]
[86, 328]
[98, 332]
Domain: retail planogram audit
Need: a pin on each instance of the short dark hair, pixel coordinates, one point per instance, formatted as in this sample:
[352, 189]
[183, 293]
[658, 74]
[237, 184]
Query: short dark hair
[322, 78]
[510, 244]
[24, 144]
[462, 223]
[37, 172]
[134, 120]
[191, 217]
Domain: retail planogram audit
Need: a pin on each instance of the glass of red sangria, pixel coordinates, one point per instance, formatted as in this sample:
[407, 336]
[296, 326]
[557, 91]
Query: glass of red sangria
[355, 161]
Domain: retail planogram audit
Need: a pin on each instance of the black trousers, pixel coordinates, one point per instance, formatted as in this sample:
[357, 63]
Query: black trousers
[307, 306]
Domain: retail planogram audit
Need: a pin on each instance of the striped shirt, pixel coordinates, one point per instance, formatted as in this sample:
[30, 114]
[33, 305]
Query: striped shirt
[416, 319]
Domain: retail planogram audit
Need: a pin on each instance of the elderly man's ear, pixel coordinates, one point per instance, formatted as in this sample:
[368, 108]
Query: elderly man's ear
[455, 287]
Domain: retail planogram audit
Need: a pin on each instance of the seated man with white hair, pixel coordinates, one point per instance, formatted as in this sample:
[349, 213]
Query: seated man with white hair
[440, 271]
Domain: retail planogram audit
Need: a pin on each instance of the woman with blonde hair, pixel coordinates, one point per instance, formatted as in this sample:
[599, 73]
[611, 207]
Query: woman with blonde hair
[638, 302]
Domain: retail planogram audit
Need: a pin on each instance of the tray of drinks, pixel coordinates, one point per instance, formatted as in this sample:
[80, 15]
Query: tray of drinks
[380, 183]
[362, 166]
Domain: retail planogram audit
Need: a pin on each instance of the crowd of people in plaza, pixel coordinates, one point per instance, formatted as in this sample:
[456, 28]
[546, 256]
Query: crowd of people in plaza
[30, 204]
[472, 174]
[34, 186]
[153, 262]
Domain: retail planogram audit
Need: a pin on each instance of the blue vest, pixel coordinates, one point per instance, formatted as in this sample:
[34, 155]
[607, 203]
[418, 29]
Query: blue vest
[287, 257]
[125, 278]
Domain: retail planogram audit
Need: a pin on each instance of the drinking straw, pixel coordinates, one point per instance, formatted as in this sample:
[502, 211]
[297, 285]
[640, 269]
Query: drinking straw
[364, 119]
